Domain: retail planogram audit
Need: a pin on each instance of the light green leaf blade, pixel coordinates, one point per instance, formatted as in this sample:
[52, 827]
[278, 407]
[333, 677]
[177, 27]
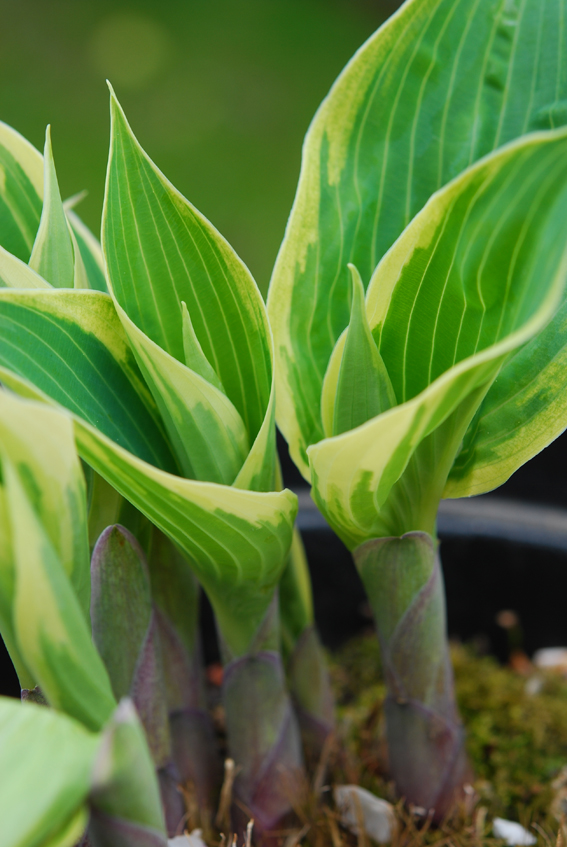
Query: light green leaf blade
[160, 251]
[89, 249]
[195, 359]
[258, 473]
[205, 429]
[477, 274]
[71, 346]
[125, 786]
[16, 274]
[21, 192]
[363, 388]
[45, 767]
[53, 255]
[52, 633]
[39, 442]
[441, 84]
[7, 579]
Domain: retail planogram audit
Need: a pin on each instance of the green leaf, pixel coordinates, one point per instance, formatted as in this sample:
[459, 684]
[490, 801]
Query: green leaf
[161, 251]
[53, 256]
[295, 595]
[89, 249]
[206, 431]
[124, 780]
[71, 346]
[16, 274]
[362, 387]
[525, 409]
[7, 579]
[52, 633]
[476, 275]
[236, 541]
[440, 85]
[39, 443]
[195, 359]
[45, 765]
[21, 192]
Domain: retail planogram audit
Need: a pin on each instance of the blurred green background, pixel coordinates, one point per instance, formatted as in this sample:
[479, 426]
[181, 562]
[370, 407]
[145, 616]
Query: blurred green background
[219, 92]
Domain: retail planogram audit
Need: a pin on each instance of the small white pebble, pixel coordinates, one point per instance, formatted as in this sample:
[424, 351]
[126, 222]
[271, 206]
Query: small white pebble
[513, 833]
[377, 814]
[192, 840]
[551, 657]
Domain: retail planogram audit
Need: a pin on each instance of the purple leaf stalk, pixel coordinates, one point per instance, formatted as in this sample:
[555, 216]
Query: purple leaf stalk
[263, 733]
[404, 583]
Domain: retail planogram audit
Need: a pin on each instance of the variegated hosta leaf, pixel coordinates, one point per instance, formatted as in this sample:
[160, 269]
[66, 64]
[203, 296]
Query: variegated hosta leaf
[50, 628]
[89, 249]
[205, 429]
[53, 256]
[7, 578]
[46, 761]
[525, 409]
[71, 346]
[441, 84]
[236, 541]
[125, 788]
[39, 442]
[16, 274]
[21, 192]
[162, 253]
[476, 274]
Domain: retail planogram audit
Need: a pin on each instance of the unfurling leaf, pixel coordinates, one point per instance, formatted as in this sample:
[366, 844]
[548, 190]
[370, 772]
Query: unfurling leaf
[53, 256]
[356, 386]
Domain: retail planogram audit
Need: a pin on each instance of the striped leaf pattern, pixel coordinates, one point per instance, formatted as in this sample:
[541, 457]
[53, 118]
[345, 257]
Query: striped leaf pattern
[161, 253]
[43, 793]
[71, 346]
[53, 256]
[440, 85]
[21, 192]
[236, 540]
[48, 610]
[474, 277]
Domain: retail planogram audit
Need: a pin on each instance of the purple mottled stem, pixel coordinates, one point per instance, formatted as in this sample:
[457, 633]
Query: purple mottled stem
[264, 738]
[311, 692]
[193, 746]
[403, 579]
[263, 733]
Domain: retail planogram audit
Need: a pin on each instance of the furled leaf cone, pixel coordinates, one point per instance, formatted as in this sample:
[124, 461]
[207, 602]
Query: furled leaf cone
[124, 800]
[424, 734]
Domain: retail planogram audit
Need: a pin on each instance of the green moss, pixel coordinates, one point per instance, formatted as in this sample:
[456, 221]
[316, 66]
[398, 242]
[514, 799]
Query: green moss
[517, 740]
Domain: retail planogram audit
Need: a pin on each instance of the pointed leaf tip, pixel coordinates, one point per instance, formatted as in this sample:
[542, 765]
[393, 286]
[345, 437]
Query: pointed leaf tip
[120, 604]
[363, 387]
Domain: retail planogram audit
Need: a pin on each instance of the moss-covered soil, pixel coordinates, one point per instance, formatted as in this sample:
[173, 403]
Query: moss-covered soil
[516, 722]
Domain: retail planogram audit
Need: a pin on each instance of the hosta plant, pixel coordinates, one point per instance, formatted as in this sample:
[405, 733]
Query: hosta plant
[435, 176]
[86, 758]
[169, 381]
